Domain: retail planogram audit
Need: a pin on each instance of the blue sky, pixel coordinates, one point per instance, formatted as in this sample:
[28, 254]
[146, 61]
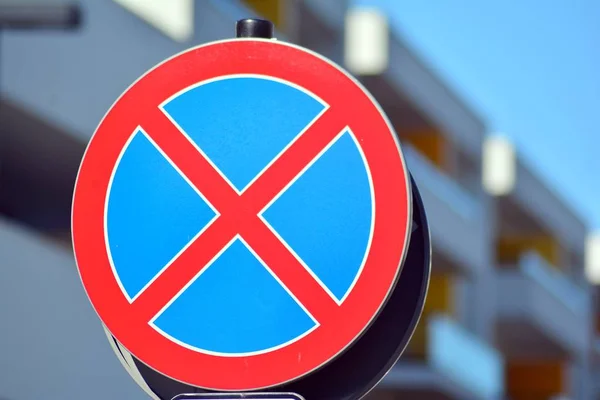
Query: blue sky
[531, 69]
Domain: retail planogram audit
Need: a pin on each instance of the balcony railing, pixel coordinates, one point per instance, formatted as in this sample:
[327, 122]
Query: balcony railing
[437, 181]
[556, 283]
[543, 302]
[463, 358]
[457, 218]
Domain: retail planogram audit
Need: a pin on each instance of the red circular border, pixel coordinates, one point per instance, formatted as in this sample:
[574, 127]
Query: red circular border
[390, 235]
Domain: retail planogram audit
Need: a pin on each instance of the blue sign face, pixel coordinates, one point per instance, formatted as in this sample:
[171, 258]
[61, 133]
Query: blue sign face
[236, 305]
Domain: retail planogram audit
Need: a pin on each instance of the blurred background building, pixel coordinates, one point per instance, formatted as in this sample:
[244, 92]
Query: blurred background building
[510, 313]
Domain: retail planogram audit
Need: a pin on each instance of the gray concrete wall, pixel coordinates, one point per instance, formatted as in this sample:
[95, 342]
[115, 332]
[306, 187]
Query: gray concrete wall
[72, 78]
[53, 346]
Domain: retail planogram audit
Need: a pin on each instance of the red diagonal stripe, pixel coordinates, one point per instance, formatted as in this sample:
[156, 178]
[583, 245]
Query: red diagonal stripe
[239, 215]
[189, 160]
[183, 269]
[289, 270]
[293, 160]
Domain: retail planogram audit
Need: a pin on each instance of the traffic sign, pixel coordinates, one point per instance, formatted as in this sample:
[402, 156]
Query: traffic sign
[241, 215]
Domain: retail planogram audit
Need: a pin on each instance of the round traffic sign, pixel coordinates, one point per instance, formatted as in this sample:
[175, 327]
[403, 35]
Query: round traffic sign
[358, 370]
[241, 215]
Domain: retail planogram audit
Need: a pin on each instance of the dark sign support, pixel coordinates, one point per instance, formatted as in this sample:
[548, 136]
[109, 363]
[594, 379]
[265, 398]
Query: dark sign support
[240, 396]
[254, 28]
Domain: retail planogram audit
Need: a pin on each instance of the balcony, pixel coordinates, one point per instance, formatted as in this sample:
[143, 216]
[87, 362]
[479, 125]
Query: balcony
[527, 206]
[544, 206]
[410, 81]
[457, 366]
[79, 66]
[330, 13]
[456, 218]
[541, 313]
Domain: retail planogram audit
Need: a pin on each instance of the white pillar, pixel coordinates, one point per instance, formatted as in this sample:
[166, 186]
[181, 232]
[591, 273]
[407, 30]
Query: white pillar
[366, 41]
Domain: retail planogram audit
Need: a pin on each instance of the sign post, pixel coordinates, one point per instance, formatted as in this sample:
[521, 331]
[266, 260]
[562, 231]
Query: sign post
[236, 396]
[244, 221]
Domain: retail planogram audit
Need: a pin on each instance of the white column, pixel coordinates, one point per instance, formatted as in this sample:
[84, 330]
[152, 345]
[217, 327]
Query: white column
[366, 41]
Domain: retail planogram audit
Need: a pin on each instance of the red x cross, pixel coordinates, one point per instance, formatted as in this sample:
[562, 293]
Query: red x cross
[239, 214]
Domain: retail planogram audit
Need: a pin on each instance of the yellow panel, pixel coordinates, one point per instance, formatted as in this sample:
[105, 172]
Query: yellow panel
[440, 300]
[273, 10]
[531, 396]
[510, 248]
[440, 296]
[430, 143]
[416, 346]
[535, 380]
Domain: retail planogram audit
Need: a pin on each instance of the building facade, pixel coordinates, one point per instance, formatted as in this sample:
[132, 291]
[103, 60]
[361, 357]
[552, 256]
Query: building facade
[509, 313]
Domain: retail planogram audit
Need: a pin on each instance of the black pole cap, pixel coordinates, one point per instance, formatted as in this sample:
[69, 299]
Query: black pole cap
[254, 28]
